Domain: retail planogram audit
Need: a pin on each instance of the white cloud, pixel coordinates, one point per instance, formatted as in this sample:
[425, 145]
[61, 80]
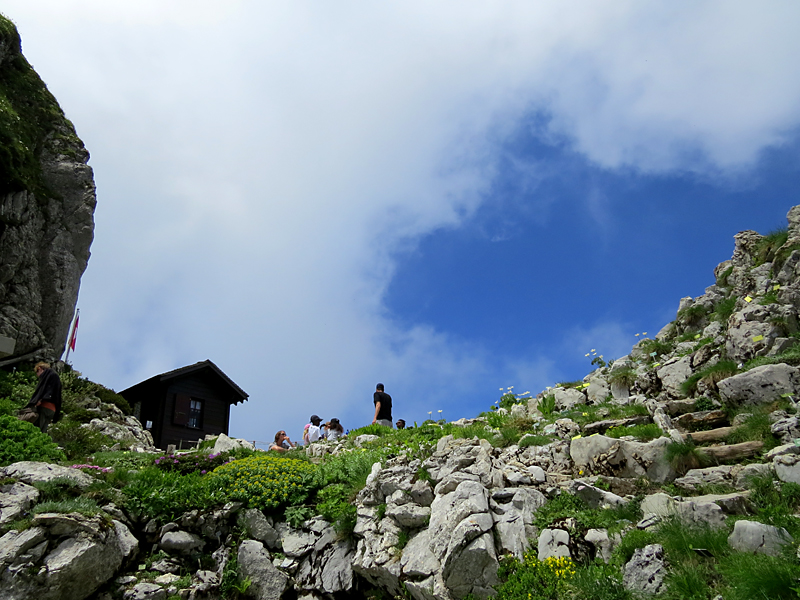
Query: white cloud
[259, 164]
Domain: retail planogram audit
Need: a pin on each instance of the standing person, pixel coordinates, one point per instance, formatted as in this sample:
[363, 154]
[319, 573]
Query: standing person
[46, 399]
[314, 432]
[383, 407]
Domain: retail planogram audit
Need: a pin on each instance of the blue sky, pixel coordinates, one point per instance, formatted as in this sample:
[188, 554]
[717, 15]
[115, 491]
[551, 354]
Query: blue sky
[447, 198]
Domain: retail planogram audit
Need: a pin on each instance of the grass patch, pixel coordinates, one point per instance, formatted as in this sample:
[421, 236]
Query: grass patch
[566, 505]
[660, 348]
[534, 440]
[623, 376]
[643, 433]
[756, 427]
[82, 505]
[766, 248]
[693, 314]
[790, 357]
[751, 576]
[710, 375]
[684, 456]
[724, 308]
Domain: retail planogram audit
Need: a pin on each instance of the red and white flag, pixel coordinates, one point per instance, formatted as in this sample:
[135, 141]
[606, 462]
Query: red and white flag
[74, 335]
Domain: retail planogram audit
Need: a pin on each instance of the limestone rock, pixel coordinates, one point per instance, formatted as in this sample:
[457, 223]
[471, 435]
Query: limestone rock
[267, 582]
[620, 458]
[673, 373]
[181, 542]
[787, 467]
[31, 472]
[46, 218]
[15, 500]
[760, 385]
[757, 538]
[646, 570]
[553, 543]
[258, 528]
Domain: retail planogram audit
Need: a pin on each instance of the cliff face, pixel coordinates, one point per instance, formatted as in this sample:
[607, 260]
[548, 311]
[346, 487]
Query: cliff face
[47, 201]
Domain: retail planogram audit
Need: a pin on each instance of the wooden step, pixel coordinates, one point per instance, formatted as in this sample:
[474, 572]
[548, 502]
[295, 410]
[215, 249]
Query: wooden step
[712, 435]
[705, 419]
[733, 451]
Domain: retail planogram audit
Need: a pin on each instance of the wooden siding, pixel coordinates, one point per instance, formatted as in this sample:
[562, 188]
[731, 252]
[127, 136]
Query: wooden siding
[214, 419]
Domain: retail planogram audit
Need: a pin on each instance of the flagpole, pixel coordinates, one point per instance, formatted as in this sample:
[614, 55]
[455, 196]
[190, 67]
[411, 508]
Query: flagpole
[71, 338]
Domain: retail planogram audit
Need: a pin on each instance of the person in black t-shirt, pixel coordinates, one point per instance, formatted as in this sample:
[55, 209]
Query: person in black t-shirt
[383, 407]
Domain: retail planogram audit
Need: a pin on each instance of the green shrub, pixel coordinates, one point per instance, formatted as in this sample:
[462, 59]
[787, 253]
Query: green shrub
[111, 397]
[78, 442]
[532, 579]
[190, 462]
[23, 441]
[692, 314]
[768, 245]
[547, 405]
[165, 496]
[333, 503]
[659, 347]
[265, 482]
[57, 489]
[297, 515]
[566, 505]
[623, 376]
[722, 280]
[724, 309]
[81, 415]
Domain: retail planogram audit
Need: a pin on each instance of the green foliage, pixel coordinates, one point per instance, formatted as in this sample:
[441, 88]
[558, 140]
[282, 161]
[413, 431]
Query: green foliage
[57, 489]
[532, 579]
[770, 297]
[598, 581]
[633, 540]
[78, 442]
[333, 503]
[30, 118]
[23, 441]
[402, 539]
[680, 539]
[704, 403]
[82, 505]
[534, 440]
[724, 308]
[122, 460]
[659, 347]
[722, 280]
[233, 587]
[688, 581]
[750, 576]
[692, 314]
[756, 427]
[768, 245]
[297, 515]
[264, 481]
[547, 405]
[81, 415]
[111, 397]
[16, 388]
[191, 462]
[153, 493]
[643, 433]
[566, 505]
[684, 456]
[711, 375]
[623, 376]
[775, 502]
[790, 356]
[689, 335]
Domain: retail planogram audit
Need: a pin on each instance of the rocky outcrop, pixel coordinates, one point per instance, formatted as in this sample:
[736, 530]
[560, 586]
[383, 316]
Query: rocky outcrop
[47, 201]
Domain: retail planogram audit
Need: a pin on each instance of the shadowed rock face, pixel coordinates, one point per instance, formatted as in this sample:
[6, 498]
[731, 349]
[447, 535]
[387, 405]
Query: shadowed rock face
[47, 201]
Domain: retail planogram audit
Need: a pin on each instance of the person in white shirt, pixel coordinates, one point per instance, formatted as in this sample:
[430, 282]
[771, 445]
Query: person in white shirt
[314, 432]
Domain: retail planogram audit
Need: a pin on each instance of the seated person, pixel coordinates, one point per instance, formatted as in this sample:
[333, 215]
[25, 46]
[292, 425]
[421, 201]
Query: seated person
[282, 442]
[335, 430]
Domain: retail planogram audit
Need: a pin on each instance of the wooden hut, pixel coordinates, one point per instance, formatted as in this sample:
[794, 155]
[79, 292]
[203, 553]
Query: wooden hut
[182, 406]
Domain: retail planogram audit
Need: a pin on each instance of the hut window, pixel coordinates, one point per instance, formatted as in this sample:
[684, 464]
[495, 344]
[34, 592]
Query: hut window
[195, 412]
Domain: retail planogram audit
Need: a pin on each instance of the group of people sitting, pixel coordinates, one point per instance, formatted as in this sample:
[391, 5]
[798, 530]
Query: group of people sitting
[314, 431]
